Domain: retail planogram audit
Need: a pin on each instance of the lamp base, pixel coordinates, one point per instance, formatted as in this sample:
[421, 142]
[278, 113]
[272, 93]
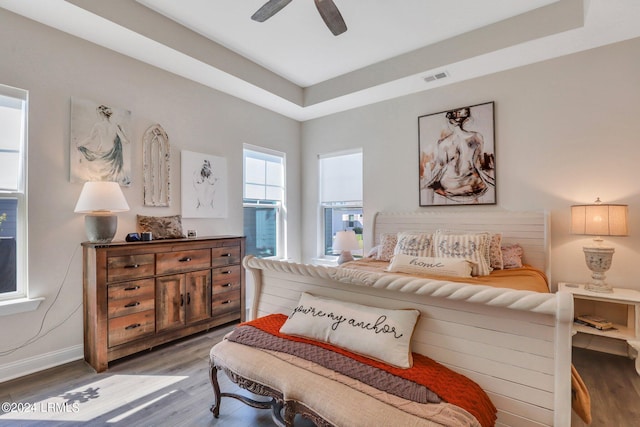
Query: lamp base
[100, 228]
[345, 256]
[598, 260]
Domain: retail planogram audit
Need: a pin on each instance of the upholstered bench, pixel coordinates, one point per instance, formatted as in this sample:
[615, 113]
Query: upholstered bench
[294, 390]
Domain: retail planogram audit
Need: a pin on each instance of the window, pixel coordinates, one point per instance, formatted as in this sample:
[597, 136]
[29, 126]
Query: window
[263, 202]
[13, 218]
[340, 196]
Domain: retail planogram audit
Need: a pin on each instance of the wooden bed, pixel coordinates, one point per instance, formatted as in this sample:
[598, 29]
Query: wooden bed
[515, 344]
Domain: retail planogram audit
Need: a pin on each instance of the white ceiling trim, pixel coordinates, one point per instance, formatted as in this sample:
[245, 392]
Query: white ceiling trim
[606, 22]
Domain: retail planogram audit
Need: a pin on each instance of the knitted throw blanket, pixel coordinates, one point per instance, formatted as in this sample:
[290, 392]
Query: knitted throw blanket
[450, 386]
[370, 375]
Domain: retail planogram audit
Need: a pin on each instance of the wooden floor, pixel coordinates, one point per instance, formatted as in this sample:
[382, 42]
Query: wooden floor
[169, 386]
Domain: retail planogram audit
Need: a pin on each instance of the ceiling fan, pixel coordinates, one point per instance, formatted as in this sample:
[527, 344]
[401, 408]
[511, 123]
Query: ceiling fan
[327, 8]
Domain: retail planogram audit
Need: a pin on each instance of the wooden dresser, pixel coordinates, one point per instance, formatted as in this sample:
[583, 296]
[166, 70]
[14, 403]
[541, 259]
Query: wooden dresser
[142, 294]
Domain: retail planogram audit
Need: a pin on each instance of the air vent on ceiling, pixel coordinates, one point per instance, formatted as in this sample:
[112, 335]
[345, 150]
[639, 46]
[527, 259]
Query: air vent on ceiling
[436, 76]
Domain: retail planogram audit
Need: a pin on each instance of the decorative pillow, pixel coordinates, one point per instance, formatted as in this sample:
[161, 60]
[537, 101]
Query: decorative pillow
[429, 265]
[488, 247]
[512, 256]
[161, 227]
[414, 244]
[388, 242]
[472, 247]
[495, 252]
[378, 333]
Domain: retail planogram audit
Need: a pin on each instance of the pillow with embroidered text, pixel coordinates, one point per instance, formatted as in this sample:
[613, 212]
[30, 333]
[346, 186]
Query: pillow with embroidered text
[455, 267]
[493, 252]
[414, 243]
[378, 333]
[472, 247]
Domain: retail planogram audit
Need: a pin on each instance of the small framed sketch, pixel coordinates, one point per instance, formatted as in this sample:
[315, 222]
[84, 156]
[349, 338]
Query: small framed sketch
[204, 185]
[457, 164]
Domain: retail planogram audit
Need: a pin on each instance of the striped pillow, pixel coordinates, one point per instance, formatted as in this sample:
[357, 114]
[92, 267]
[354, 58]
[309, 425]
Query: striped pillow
[472, 247]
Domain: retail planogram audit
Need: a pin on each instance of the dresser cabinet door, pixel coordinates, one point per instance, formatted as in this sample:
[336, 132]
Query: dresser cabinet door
[198, 303]
[170, 302]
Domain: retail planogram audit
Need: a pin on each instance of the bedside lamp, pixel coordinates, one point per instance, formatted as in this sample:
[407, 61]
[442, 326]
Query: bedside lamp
[99, 200]
[345, 242]
[599, 220]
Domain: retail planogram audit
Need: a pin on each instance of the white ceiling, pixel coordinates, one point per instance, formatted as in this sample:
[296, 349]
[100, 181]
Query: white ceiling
[296, 44]
[293, 65]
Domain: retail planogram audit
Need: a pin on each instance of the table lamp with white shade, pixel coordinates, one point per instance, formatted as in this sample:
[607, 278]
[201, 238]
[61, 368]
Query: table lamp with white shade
[99, 200]
[599, 219]
[345, 242]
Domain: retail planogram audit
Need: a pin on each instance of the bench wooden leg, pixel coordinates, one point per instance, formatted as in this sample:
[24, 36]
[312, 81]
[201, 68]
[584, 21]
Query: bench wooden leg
[275, 403]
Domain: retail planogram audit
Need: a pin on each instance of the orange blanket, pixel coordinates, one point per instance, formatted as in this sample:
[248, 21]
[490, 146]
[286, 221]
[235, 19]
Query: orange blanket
[449, 385]
[525, 279]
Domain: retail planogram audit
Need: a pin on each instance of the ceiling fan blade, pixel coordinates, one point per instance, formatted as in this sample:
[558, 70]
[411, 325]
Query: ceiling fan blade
[331, 16]
[269, 9]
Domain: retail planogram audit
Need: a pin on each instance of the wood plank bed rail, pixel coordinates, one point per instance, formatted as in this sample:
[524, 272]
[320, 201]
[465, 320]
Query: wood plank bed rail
[515, 344]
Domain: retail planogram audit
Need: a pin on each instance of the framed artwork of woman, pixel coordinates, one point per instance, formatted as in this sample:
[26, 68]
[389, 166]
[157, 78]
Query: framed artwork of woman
[457, 164]
[100, 148]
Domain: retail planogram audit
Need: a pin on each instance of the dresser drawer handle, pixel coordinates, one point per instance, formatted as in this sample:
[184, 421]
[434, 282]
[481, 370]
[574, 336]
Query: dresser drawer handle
[135, 325]
[227, 255]
[226, 285]
[132, 304]
[226, 302]
[185, 259]
[132, 266]
[227, 272]
[132, 288]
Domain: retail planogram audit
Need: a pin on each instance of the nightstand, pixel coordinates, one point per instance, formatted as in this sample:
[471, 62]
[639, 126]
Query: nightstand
[622, 307]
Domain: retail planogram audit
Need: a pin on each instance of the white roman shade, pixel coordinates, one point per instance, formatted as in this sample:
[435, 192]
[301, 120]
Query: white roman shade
[341, 177]
[263, 176]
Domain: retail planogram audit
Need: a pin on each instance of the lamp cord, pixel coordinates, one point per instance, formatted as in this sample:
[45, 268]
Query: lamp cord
[38, 335]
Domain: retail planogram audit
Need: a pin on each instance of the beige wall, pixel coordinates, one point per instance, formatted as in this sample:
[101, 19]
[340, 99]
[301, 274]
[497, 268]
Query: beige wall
[54, 67]
[567, 131]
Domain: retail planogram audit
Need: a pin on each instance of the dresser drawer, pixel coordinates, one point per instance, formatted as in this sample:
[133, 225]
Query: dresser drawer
[176, 262]
[132, 327]
[226, 255]
[225, 302]
[131, 297]
[226, 282]
[223, 275]
[130, 267]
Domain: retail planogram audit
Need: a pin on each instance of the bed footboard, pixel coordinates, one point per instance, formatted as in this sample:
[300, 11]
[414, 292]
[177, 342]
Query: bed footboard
[515, 344]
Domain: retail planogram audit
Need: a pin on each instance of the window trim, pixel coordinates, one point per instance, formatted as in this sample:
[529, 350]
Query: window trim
[322, 205]
[280, 205]
[21, 294]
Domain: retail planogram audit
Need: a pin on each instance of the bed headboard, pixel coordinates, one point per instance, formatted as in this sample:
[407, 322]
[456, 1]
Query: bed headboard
[529, 229]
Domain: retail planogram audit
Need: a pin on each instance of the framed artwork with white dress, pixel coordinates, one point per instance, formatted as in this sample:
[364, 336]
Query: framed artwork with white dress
[100, 144]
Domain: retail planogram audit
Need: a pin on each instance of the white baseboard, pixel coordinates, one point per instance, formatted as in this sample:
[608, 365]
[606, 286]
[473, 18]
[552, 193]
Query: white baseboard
[41, 362]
